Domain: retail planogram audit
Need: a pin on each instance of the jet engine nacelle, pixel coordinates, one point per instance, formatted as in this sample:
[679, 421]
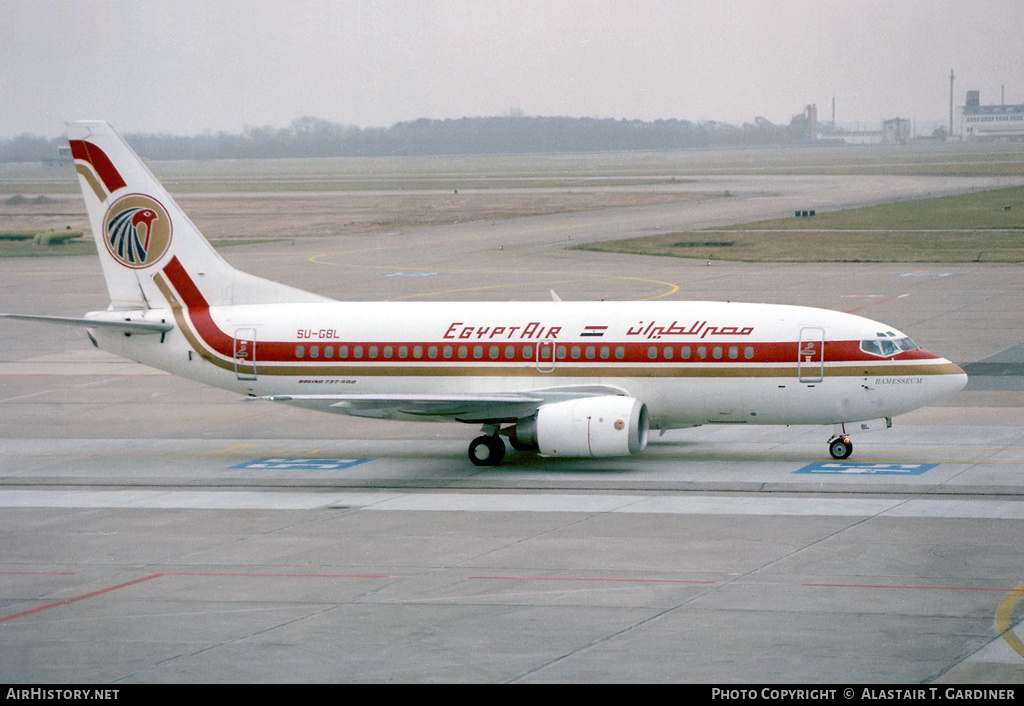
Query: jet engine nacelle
[611, 425]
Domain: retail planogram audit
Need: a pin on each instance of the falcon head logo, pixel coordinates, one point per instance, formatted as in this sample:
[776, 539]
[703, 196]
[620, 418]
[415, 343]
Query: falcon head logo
[137, 230]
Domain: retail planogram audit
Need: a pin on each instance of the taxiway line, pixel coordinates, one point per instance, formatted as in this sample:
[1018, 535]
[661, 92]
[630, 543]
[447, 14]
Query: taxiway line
[997, 509]
[1004, 619]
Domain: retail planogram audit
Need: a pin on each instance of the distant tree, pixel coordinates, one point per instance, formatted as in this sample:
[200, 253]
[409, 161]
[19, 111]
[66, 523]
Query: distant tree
[512, 133]
[29, 148]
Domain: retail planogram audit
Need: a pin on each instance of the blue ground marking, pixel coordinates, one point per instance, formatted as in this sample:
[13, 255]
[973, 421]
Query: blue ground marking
[877, 469]
[301, 464]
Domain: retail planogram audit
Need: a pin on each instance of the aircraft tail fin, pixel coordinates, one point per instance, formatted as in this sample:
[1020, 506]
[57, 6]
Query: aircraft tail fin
[141, 232]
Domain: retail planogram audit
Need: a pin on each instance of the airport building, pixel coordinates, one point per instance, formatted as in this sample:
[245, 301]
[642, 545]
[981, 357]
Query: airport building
[990, 122]
[896, 131]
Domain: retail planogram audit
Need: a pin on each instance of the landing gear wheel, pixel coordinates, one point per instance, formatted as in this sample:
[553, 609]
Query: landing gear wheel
[486, 450]
[840, 447]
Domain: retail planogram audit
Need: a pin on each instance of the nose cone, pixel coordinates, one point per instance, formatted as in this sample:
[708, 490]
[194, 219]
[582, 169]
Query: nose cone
[950, 381]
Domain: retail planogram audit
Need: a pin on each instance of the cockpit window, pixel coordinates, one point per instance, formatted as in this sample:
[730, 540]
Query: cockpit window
[871, 347]
[885, 347]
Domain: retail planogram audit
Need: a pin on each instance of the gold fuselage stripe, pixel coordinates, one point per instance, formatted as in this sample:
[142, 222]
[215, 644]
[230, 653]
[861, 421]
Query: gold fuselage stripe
[562, 369]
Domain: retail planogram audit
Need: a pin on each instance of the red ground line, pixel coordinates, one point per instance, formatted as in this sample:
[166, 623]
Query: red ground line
[79, 598]
[171, 573]
[918, 588]
[868, 306]
[581, 578]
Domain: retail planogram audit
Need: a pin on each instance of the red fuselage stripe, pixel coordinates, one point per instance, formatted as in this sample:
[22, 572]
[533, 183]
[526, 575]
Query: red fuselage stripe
[198, 312]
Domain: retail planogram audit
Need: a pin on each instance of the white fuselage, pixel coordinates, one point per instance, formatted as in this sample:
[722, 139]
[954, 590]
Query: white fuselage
[689, 362]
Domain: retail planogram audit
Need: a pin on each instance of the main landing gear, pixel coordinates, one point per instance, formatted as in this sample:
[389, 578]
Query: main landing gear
[487, 450]
[840, 447]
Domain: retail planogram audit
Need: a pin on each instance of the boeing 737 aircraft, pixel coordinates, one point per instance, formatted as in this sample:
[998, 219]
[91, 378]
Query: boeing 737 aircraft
[568, 379]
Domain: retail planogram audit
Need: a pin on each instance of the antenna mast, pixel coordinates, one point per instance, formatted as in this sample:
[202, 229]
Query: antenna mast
[951, 103]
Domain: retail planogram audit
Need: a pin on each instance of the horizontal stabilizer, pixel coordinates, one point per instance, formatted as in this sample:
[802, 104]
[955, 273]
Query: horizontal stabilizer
[127, 326]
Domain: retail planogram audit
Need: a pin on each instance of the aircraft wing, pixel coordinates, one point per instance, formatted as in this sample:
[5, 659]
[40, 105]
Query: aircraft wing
[462, 407]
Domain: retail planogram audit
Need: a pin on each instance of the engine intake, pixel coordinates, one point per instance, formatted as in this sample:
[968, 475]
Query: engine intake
[610, 425]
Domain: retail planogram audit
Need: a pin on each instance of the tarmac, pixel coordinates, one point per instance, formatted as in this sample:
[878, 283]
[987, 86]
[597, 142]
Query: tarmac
[157, 531]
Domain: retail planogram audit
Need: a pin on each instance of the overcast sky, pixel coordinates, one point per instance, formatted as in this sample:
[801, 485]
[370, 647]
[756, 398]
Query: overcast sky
[187, 66]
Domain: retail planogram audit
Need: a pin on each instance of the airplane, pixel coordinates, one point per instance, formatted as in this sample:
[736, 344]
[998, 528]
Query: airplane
[556, 378]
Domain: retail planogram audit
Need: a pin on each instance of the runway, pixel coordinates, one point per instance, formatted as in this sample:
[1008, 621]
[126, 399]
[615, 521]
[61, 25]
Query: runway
[159, 531]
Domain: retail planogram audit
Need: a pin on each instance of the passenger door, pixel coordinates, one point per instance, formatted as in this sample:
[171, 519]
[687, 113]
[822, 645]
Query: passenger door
[810, 362]
[245, 353]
